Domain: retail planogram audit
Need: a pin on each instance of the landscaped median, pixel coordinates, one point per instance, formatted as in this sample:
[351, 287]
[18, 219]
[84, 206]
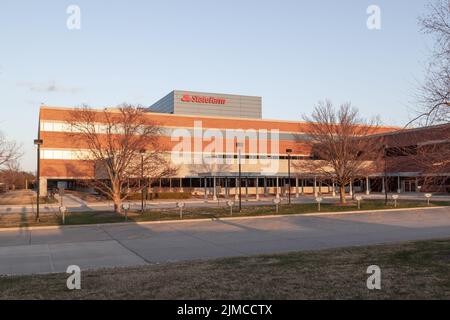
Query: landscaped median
[221, 211]
[410, 270]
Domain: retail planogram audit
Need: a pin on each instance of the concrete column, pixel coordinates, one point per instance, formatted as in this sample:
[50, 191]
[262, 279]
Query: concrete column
[367, 186]
[334, 188]
[246, 189]
[236, 190]
[383, 187]
[257, 189]
[206, 189]
[277, 192]
[351, 188]
[226, 188]
[265, 186]
[303, 187]
[315, 187]
[43, 187]
[288, 187]
[170, 184]
[399, 187]
[296, 187]
[214, 189]
[417, 184]
[181, 185]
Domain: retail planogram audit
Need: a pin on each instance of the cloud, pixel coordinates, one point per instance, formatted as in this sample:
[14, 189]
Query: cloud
[48, 87]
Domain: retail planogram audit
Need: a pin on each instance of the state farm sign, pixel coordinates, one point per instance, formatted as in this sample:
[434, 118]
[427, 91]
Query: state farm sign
[202, 99]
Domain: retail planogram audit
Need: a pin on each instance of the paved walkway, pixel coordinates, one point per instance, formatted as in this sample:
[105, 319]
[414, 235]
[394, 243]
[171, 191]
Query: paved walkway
[90, 247]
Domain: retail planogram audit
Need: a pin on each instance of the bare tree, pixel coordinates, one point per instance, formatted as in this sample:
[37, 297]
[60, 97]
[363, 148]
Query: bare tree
[428, 151]
[9, 151]
[115, 142]
[434, 94]
[338, 138]
[425, 151]
[14, 177]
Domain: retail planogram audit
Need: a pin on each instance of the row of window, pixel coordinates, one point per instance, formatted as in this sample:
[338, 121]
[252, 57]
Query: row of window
[66, 127]
[47, 154]
[50, 154]
[255, 157]
[48, 126]
[401, 151]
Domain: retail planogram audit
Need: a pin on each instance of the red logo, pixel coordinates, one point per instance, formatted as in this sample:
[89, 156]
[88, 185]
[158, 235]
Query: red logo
[186, 98]
[202, 99]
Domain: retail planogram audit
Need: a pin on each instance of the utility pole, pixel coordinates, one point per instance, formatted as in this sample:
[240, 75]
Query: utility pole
[289, 151]
[239, 146]
[385, 176]
[142, 152]
[38, 143]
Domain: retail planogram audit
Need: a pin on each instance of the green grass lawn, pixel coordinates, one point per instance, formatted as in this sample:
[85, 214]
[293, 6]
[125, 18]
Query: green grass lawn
[410, 270]
[79, 218]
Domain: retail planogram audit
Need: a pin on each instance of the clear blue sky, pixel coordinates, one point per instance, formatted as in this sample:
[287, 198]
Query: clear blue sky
[292, 53]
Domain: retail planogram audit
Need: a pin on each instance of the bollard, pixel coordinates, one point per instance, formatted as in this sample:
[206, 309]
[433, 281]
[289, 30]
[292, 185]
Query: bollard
[126, 207]
[63, 210]
[277, 203]
[358, 199]
[395, 197]
[428, 196]
[319, 200]
[181, 205]
[230, 204]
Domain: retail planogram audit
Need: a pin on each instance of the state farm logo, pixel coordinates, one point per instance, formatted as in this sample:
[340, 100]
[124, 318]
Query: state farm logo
[202, 99]
[186, 98]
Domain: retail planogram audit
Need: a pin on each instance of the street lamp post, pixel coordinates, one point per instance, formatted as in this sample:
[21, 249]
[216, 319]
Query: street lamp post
[38, 143]
[239, 146]
[289, 151]
[385, 176]
[142, 152]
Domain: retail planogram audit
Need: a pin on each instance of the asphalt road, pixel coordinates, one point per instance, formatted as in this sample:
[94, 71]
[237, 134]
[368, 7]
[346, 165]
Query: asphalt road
[90, 247]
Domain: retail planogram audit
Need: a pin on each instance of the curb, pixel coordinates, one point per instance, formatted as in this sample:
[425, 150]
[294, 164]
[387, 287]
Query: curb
[317, 214]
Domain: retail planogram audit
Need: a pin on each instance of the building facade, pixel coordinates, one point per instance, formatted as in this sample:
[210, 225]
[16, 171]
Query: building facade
[203, 120]
[418, 159]
[209, 104]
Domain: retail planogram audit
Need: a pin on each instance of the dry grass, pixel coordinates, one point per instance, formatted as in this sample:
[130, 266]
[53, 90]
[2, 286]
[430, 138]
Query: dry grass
[21, 197]
[17, 198]
[413, 270]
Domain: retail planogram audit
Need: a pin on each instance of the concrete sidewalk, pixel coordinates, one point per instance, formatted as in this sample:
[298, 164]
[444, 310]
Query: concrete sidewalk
[77, 205]
[53, 250]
